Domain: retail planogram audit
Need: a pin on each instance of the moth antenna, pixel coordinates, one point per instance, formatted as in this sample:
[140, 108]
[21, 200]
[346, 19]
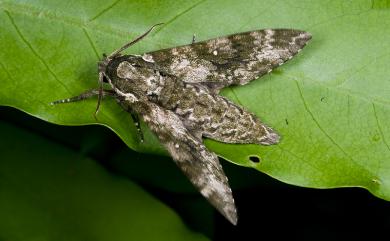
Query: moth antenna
[100, 94]
[132, 42]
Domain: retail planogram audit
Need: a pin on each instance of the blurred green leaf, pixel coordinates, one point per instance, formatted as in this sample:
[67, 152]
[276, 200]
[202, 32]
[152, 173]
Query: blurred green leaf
[330, 104]
[48, 192]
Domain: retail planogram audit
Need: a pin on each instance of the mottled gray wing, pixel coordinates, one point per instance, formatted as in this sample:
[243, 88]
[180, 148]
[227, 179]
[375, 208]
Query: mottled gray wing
[200, 165]
[234, 59]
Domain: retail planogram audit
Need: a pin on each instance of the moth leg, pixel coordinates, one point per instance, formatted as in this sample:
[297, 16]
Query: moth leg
[134, 116]
[85, 95]
[137, 124]
[193, 38]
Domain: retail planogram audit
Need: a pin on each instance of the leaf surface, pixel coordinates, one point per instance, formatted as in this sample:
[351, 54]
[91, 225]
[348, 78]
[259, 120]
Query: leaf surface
[330, 104]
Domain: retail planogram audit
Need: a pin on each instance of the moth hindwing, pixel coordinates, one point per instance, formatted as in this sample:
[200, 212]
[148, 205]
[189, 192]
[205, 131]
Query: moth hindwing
[175, 91]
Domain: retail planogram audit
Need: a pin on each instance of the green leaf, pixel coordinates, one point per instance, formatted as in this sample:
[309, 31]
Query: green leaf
[330, 104]
[48, 192]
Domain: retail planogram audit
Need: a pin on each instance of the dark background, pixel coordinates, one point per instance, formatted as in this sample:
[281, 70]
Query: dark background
[268, 209]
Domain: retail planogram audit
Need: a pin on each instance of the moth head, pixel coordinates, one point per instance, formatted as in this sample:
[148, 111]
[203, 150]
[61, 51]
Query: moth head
[104, 63]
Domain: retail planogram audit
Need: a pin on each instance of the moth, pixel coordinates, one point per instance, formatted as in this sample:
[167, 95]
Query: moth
[175, 92]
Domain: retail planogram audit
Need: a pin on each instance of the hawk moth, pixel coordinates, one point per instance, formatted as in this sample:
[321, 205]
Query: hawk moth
[175, 92]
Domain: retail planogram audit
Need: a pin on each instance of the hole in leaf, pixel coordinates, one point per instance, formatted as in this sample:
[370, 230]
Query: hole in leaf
[254, 159]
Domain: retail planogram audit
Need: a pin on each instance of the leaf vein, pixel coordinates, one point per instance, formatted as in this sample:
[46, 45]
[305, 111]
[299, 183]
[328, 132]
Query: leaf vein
[235, 95]
[104, 11]
[312, 165]
[342, 90]
[29, 10]
[16, 84]
[179, 15]
[6, 71]
[335, 18]
[357, 71]
[29, 45]
[91, 43]
[321, 128]
[379, 127]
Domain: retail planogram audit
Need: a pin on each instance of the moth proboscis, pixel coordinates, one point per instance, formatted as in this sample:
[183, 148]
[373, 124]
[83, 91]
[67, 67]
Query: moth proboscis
[175, 92]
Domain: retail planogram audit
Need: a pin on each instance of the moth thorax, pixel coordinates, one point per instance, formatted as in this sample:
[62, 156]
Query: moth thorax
[153, 84]
[130, 71]
[140, 78]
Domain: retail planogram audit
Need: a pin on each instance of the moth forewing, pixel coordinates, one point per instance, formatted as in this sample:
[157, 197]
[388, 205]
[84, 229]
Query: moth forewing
[175, 91]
